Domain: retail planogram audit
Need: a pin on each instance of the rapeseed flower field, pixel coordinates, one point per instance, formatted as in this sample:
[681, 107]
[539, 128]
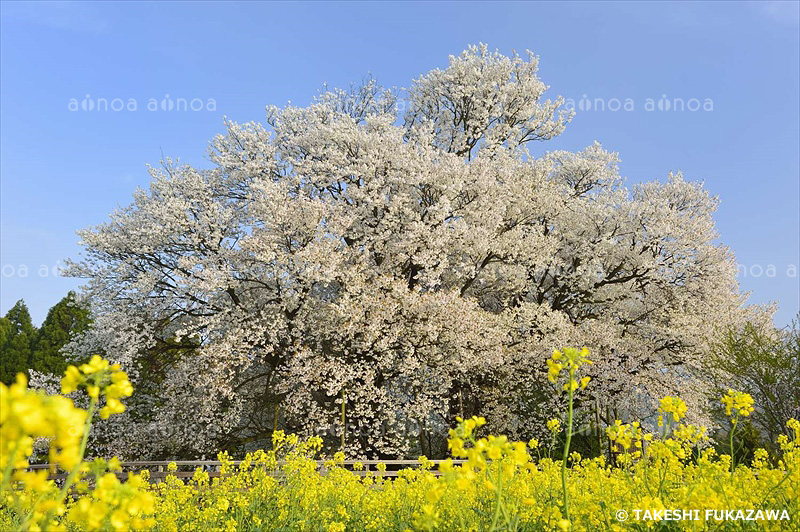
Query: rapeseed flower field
[660, 481]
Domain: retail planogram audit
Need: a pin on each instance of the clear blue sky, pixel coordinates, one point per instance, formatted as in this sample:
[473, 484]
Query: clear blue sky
[67, 169]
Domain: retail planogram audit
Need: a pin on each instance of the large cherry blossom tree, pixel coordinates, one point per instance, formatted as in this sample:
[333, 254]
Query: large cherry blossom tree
[399, 262]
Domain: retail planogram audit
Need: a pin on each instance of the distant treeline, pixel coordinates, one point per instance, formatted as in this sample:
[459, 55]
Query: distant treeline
[24, 347]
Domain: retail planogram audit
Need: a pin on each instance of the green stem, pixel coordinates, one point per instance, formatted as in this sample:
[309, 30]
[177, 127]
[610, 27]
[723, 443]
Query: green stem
[566, 445]
[733, 459]
[664, 467]
[498, 502]
[82, 450]
[75, 470]
[776, 486]
[647, 477]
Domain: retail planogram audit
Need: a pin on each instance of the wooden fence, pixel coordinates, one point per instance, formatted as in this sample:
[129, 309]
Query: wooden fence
[186, 468]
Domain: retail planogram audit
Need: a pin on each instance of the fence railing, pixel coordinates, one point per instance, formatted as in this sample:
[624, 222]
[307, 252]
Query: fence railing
[186, 468]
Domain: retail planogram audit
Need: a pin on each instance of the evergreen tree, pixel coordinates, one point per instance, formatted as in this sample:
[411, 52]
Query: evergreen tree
[18, 333]
[63, 320]
[5, 332]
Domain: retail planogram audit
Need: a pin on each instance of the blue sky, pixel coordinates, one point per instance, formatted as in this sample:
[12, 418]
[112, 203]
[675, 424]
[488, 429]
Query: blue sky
[64, 169]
